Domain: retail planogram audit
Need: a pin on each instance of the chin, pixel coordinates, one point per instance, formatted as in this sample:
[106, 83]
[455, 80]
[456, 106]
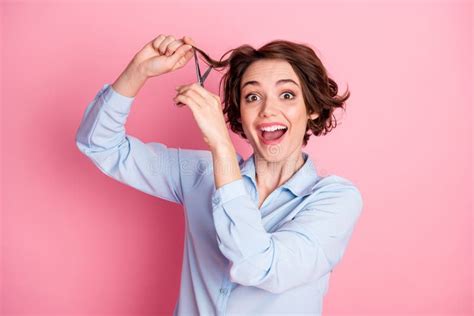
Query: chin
[272, 153]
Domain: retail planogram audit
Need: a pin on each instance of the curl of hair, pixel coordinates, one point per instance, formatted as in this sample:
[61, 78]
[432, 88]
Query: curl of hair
[320, 92]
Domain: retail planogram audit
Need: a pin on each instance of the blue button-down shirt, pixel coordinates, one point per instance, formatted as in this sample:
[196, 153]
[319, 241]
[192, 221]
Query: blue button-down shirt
[238, 259]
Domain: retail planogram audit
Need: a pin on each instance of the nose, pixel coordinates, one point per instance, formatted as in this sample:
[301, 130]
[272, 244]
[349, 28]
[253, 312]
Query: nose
[268, 108]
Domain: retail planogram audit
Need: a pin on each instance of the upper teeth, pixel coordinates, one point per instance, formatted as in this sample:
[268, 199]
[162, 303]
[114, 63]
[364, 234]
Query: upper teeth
[272, 128]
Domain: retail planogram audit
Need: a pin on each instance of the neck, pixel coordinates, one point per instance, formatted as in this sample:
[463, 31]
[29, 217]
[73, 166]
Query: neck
[272, 174]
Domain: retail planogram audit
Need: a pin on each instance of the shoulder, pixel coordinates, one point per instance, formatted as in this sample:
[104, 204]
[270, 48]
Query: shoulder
[336, 190]
[334, 182]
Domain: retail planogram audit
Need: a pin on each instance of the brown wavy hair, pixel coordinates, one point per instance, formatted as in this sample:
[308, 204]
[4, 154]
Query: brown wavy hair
[319, 91]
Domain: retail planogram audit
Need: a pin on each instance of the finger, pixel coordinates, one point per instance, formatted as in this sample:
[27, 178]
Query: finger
[184, 59]
[217, 98]
[200, 90]
[187, 100]
[180, 53]
[188, 40]
[164, 44]
[189, 54]
[173, 46]
[178, 103]
[157, 41]
[197, 98]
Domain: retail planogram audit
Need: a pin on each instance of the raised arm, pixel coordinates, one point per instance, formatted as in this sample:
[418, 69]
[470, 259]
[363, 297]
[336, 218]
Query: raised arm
[152, 167]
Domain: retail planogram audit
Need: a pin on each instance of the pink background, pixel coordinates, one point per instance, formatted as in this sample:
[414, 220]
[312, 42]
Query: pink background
[75, 242]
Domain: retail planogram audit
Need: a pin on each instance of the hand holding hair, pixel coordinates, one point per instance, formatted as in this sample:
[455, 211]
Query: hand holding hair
[163, 54]
[207, 111]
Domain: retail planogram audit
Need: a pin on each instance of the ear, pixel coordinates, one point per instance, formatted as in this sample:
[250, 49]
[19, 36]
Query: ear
[314, 116]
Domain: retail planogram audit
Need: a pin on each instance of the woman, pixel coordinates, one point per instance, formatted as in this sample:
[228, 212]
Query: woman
[262, 234]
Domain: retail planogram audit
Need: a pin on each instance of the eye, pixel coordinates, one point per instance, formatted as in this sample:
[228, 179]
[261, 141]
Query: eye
[289, 93]
[249, 95]
[249, 100]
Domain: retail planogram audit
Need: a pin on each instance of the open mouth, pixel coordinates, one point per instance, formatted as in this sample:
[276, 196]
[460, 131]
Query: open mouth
[272, 137]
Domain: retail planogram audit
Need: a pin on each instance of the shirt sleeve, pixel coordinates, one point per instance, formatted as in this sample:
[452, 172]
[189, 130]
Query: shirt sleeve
[302, 249]
[152, 167]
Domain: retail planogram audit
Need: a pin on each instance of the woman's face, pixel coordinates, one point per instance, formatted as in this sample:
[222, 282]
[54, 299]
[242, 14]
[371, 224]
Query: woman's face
[271, 93]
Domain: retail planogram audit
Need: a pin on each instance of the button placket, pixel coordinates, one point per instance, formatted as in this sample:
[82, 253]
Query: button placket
[223, 295]
[216, 199]
[224, 291]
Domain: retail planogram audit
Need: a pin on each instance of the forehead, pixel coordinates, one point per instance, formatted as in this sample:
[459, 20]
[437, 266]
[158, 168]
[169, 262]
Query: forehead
[269, 71]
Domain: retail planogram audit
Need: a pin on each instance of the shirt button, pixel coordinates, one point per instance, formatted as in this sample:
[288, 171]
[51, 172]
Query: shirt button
[223, 291]
[216, 199]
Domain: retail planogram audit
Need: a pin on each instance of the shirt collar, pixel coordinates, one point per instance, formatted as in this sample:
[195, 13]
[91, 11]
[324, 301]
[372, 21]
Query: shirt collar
[301, 183]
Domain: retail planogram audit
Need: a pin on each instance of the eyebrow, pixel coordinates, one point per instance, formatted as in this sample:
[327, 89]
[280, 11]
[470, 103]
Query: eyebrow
[281, 81]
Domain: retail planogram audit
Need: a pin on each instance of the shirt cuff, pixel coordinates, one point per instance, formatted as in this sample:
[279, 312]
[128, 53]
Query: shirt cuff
[116, 100]
[229, 191]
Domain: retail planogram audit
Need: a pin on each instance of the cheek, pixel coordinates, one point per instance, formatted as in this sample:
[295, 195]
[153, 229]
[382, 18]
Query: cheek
[298, 119]
[246, 118]
[296, 115]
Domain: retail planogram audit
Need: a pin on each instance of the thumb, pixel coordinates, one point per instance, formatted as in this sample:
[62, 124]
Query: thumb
[179, 53]
[188, 40]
